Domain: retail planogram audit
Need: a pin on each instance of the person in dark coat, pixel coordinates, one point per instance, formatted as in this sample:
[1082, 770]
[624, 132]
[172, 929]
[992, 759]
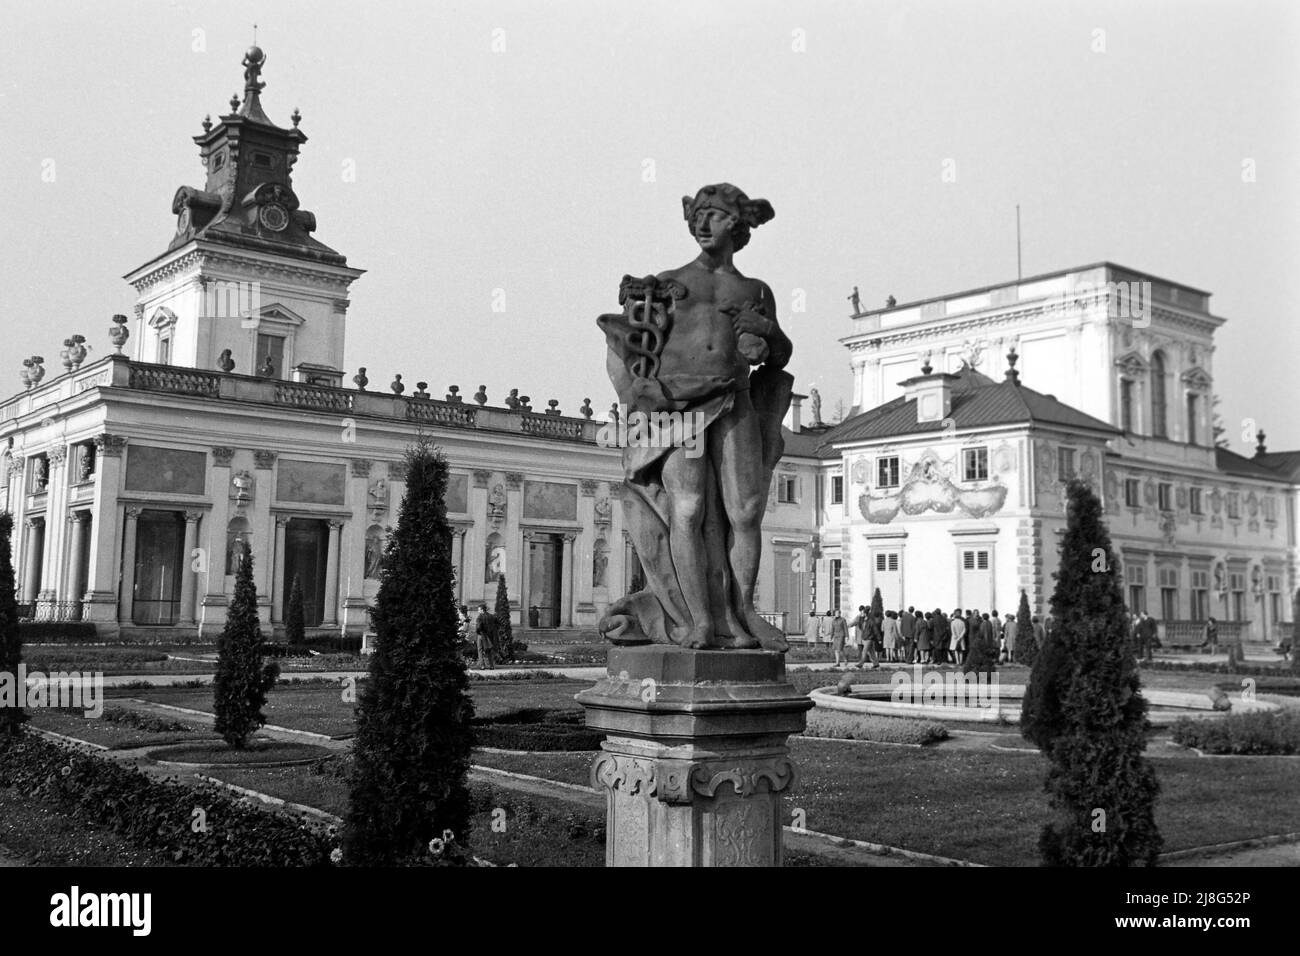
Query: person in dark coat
[942, 634]
[485, 627]
[907, 627]
[924, 637]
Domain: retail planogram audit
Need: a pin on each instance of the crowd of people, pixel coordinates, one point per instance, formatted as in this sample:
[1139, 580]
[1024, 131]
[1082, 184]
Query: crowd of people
[920, 637]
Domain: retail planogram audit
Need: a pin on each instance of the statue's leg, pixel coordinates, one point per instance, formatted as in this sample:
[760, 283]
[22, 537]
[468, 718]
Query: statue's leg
[685, 481]
[737, 451]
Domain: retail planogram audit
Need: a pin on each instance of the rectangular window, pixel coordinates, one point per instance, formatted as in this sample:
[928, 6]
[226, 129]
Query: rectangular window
[1165, 496]
[1065, 463]
[887, 472]
[787, 487]
[975, 560]
[887, 561]
[1168, 593]
[1237, 596]
[1195, 502]
[837, 489]
[1234, 505]
[835, 582]
[1200, 595]
[1270, 509]
[1273, 584]
[1132, 493]
[975, 464]
[270, 356]
[165, 350]
[1137, 591]
[1126, 404]
[1192, 412]
[38, 475]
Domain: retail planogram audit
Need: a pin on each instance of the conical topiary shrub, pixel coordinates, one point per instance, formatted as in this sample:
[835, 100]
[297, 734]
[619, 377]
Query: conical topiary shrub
[295, 631]
[1026, 646]
[242, 678]
[12, 714]
[412, 750]
[505, 648]
[1085, 710]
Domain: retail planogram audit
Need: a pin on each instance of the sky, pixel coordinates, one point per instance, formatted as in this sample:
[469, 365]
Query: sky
[497, 167]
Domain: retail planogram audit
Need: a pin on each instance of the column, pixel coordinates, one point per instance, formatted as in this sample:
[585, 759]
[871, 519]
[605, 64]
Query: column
[187, 567]
[277, 578]
[56, 493]
[330, 617]
[126, 599]
[475, 543]
[106, 542]
[211, 591]
[33, 554]
[76, 570]
[525, 599]
[566, 581]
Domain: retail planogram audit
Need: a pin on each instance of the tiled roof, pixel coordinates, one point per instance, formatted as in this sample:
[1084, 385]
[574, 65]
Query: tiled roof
[977, 402]
[1285, 463]
[804, 443]
[1231, 463]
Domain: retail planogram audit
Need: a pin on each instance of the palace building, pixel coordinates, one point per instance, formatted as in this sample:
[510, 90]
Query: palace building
[223, 421]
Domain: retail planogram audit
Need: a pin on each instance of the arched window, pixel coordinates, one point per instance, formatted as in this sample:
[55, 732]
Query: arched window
[1159, 401]
[599, 563]
[239, 541]
[374, 550]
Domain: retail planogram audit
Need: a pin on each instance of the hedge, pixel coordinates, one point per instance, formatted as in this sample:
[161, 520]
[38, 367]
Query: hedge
[889, 730]
[160, 815]
[540, 730]
[58, 632]
[1257, 733]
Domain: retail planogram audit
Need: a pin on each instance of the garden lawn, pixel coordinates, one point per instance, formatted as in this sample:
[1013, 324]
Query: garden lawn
[316, 708]
[987, 806]
[109, 733]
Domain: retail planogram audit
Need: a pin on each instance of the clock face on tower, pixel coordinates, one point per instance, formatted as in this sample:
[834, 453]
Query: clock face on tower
[274, 217]
[183, 220]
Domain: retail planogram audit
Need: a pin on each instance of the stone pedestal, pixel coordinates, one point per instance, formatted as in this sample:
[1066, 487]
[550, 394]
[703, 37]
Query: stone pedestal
[696, 761]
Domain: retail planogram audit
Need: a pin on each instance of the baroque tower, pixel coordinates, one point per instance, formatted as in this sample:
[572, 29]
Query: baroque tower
[243, 280]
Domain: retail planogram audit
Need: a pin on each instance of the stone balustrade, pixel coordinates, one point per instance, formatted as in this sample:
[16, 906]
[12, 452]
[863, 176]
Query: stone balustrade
[117, 371]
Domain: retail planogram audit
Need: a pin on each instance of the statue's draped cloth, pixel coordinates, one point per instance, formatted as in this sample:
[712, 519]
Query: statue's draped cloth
[650, 615]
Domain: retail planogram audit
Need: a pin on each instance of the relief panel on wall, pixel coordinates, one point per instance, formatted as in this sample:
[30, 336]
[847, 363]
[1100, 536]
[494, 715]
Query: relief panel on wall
[166, 470]
[310, 482]
[550, 500]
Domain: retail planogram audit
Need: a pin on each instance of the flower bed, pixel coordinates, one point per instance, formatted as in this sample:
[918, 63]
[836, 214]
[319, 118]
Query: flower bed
[889, 730]
[537, 730]
[219, 754]
[1264, 733]
[159, 815]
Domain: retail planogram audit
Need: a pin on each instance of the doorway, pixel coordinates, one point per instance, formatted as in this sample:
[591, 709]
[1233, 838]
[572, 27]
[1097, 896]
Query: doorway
[306, 543]
[545, 557]
[159, 542]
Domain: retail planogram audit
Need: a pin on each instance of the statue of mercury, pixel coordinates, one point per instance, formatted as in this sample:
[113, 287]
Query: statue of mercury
[698, 352]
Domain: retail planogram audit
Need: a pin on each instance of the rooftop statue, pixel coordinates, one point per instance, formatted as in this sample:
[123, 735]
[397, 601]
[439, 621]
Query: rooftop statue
[701, 435]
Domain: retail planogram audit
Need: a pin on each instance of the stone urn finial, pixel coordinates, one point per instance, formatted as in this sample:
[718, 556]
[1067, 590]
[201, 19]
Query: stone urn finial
[397, 386]
[74, 351]
[421, 389]
[118, 333]
[452, 393]
[360, 380]
[34, 370]
[481, 395]
[554, 406]
[525, 403]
